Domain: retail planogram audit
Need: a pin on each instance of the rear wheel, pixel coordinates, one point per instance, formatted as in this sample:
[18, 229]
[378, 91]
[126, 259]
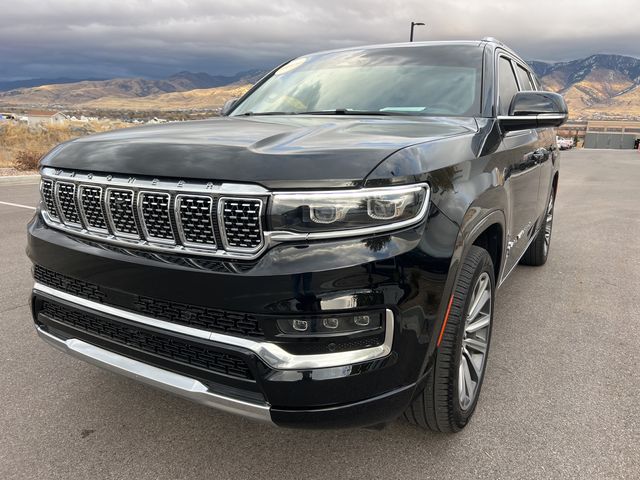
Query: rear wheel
[451, 392]
[538, 251]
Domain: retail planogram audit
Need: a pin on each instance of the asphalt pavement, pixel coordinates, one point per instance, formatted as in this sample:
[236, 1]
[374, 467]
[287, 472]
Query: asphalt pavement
[560, 396]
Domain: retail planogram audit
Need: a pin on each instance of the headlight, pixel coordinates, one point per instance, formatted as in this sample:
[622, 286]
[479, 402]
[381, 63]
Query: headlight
[342, 213]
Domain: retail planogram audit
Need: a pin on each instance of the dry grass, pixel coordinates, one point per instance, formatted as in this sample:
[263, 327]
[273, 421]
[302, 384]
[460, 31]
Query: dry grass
[21, 146]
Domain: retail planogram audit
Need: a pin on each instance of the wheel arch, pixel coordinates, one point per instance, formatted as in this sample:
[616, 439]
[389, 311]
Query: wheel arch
[478, 230]
[489, 232]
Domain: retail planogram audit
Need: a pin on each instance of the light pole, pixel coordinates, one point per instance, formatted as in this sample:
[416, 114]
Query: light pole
[413, 24]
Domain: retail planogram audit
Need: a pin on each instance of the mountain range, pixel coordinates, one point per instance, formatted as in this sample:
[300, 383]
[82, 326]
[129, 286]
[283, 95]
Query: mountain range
[181, 91]
[599, 86]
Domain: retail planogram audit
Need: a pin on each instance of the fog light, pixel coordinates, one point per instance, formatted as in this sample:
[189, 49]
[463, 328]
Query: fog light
[331, 323]
[336, 324]
[300, 325]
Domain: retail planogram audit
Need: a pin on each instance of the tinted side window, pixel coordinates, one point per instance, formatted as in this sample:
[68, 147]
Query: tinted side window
[507, 85]
[523, 77]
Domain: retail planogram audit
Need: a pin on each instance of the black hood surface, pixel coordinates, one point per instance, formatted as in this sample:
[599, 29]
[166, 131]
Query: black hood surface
[275, 151]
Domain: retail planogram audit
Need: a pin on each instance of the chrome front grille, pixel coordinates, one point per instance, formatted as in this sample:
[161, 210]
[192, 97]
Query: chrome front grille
[91, 206]
[241, 222]
[121, 210]
[46, 189]
[195, 220]
[155, 215]
[159, 215]
[66, 195]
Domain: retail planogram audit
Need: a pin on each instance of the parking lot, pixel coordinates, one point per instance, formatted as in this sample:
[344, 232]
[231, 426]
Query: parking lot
[559, 400]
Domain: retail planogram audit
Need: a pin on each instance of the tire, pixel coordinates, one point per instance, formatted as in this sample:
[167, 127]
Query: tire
[537, 253]
[442, 405]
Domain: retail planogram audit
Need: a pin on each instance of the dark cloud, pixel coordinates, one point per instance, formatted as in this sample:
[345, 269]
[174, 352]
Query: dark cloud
[67, 38]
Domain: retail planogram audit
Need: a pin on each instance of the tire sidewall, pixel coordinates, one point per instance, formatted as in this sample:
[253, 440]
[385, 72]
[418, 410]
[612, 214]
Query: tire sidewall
[460, 416]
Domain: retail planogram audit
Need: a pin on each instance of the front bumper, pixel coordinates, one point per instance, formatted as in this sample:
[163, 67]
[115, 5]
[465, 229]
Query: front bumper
[157, 377]
[368, 412]
[358, 387]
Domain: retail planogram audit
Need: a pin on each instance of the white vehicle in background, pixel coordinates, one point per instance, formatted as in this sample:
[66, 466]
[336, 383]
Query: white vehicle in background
[564, 143]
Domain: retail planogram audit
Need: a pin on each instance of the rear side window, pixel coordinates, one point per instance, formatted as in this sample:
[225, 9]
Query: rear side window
[523, 77]
[508, 86]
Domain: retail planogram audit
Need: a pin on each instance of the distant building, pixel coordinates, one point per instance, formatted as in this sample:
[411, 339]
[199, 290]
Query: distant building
[611, 134]
[602, 133]
[40, 117]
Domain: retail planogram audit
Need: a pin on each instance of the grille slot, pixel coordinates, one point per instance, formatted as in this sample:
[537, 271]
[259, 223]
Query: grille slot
[91, 208]
[154, 212]
[46, 189]
[197, 316]
[66, 193]
[241, 223]
[195, 220]
[176, 349]
[231, 323]
[121, 210]
[68, 284]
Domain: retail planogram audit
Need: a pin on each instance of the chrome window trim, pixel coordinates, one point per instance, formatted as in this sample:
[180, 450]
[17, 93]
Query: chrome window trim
[542, 116]
[496, 69]
[181, 234]
[83, 213]
[157, 377]
[271, 354]
[143, 222]
[118, 234]
[223, 228]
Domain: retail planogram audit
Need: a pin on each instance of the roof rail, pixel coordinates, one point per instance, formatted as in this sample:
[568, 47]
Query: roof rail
[492, 40]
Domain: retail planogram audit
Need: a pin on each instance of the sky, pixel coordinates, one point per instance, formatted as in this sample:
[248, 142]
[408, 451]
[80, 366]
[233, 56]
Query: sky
[156, 38]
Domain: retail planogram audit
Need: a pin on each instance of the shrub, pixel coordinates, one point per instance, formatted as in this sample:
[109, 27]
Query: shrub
[22, 146]
[28, 159]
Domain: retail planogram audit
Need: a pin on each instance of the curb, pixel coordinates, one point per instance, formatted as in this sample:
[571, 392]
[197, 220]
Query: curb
[20, 180]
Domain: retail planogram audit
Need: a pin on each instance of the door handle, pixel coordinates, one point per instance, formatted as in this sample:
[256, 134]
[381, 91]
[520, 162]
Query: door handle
[538, 155]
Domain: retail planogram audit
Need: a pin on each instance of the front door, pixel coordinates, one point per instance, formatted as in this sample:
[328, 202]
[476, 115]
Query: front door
[521, 153]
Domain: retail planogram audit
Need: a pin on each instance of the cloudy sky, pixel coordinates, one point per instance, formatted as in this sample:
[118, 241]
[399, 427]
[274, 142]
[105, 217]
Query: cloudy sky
[155, 38]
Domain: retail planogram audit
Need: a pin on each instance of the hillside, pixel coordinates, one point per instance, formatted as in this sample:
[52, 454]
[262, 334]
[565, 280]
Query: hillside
[198, 99]
[179, 91]
[599, 86]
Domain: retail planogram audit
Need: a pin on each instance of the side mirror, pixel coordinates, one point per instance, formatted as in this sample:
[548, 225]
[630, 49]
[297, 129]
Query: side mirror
[228, 106]
[534, 110]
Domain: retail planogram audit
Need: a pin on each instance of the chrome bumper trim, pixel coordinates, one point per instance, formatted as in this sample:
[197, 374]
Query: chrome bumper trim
[273, 355]
[157, 377]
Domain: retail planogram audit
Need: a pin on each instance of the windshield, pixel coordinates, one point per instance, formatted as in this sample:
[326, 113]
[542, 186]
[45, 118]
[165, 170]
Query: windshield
[418, 80]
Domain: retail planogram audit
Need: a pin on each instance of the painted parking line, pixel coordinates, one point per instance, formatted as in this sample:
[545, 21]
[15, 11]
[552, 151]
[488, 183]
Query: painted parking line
[17, 205]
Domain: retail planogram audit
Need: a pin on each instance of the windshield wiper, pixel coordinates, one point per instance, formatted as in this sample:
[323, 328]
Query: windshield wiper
[344, 111]
[251, 114]
[337, 111]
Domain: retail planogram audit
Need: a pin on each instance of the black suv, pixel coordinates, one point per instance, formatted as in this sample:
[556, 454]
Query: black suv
[325, 254]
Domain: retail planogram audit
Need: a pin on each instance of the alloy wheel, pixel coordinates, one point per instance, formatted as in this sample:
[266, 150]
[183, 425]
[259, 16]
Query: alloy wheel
[475, 341]
[548, 225]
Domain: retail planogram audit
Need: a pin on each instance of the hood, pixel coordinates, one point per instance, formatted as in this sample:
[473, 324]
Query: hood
[277, 152]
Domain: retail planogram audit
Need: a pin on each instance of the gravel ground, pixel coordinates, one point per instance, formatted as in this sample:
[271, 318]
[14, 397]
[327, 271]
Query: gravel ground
[559, 399]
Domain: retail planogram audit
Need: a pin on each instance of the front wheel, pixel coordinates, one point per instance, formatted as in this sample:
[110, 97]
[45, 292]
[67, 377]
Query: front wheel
[451, 392]
[538, 251]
